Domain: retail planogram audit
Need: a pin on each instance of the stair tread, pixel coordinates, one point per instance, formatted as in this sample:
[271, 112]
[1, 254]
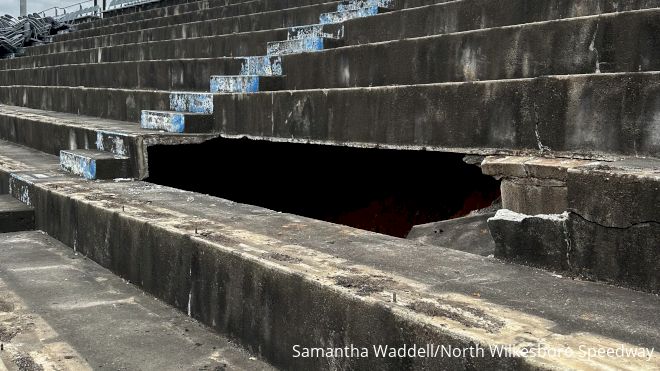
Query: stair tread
[10, 204]
[95, 154]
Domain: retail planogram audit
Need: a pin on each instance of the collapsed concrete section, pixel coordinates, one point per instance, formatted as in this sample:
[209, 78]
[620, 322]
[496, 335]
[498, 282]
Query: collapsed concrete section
[251, 273]
[598, 220]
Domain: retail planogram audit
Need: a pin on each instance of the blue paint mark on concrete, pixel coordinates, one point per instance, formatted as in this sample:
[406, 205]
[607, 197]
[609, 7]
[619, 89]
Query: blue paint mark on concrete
[359, 4]
[307, 44]
[337, 17]
[191, 102]
[168, 121]
[262, 66]
[316, 30]
[78, 165]
[178, 123]
[235, 84]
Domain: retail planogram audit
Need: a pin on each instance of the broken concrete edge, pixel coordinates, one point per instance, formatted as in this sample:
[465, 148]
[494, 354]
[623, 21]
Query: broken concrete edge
[574, 246]
[592, 189]
[255, 292]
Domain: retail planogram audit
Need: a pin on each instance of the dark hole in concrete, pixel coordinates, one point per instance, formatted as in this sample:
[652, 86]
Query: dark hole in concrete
[385, 191]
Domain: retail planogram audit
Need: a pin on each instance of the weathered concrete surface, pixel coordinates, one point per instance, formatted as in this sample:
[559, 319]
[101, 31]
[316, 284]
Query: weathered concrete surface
[189, 26]
[65, 312]
[440, 19]
[537, 240]
[566, 47]
[569, 243]
[176, 122]
[94, 164]
[618, 194]
[251, 273]
[571, 46]
[585, 115]
[14, 215]
[128, 47]
[199, 10]
[248, 11]
[599, 221]
[245, 83]
[51, 132]
[532, 185]
[468, 233]
[115, 104]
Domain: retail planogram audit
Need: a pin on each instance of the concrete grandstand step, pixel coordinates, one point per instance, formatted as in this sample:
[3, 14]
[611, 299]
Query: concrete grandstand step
[191, 27]
[302, 45]
[94, 164]
[347, 5]
[245, 83]
[571, 46]
[342, 16]
[342, 285]
[214, 13]
[193, 8]
[51, 132]
[192, 102]
[15, 216]
[401, 24]
[177, 122]
[62, 311]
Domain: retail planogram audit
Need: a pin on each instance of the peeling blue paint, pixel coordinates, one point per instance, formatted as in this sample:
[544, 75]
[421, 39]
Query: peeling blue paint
[191, 102]
[307, 44]
[78, 165]
[235, 84]
[168, 121]
[316, 30]
[342, 16]
[359, 4]
[263, 65]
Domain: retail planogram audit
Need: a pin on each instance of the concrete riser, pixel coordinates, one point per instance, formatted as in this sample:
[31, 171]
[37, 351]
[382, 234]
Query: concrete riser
[570, 244]
[440, 19]
[238, 295]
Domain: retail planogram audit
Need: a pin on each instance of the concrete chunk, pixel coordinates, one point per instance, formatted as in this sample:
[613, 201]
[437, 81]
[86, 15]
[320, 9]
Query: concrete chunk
[468, 233]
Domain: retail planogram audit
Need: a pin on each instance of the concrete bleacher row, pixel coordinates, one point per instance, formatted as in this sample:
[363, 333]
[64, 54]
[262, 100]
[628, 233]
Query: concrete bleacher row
[519, 81]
